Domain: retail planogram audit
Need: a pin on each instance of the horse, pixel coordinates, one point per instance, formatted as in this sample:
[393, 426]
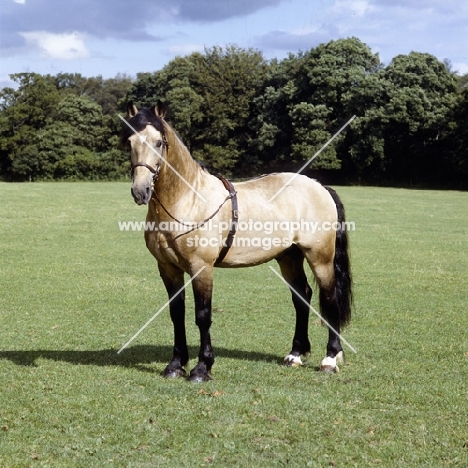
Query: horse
[194, 220]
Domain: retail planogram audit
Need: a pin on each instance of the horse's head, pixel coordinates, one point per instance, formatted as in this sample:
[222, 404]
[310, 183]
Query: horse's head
[144, 131]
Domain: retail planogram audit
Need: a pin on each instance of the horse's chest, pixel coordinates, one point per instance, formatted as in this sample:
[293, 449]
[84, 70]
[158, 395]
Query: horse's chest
[159, 245]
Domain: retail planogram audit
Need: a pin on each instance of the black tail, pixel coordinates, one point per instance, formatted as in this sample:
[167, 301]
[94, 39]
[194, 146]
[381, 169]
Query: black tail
[343, 278]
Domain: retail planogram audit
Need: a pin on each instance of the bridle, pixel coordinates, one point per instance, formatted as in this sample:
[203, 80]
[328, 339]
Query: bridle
[154, 170]
[143, 164]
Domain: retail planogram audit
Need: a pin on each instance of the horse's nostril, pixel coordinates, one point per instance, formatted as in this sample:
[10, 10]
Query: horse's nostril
[141, 195]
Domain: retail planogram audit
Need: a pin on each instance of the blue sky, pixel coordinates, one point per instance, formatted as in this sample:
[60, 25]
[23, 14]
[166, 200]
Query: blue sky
[107, 37]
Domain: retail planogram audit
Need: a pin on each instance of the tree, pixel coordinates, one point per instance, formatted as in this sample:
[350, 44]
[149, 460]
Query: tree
[309, 123]
[309, 96]
[54, 127]
[24, 112]
[417, 111]
[463, 82]
[271, 123]
[458, 158]
[71, 140]
[175, 84]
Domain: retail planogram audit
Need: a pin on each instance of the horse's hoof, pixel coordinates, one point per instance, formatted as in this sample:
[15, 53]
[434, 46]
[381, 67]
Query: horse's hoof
[329, 364]
[174, 373]
[199, 378]
[292, 361]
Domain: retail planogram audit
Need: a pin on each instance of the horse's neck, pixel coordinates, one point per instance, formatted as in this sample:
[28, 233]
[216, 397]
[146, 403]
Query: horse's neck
[180, 174]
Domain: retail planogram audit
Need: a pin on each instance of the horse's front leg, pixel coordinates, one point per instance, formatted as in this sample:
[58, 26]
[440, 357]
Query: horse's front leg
[202, 290]
[173, 279]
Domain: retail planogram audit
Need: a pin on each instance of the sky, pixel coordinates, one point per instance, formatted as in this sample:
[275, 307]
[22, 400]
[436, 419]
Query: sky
[108, 37]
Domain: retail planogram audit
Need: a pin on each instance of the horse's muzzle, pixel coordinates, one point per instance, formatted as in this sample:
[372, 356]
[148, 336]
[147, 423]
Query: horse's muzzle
[142, 195]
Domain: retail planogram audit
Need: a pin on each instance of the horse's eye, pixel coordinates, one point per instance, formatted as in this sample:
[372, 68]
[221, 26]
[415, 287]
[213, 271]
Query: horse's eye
[159, 144]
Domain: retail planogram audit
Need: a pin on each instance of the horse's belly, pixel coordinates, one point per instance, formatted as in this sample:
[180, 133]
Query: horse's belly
[251, 251]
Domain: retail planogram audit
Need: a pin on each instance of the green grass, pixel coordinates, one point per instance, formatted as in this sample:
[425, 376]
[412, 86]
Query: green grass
[74, 289]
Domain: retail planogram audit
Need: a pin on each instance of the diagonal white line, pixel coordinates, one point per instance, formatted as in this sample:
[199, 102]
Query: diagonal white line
[311, 308]
[161, 156]
[161, 309]
[312, 158]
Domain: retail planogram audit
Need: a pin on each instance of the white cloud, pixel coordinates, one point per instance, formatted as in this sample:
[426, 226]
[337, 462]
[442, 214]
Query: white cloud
[67, 46]
[21, 2]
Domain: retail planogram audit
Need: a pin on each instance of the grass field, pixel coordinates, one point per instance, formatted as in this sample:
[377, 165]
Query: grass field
[74, 289]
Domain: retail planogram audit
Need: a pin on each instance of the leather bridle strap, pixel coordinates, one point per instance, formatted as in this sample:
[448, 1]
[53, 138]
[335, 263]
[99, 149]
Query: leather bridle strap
[235, 218]
[143, 164]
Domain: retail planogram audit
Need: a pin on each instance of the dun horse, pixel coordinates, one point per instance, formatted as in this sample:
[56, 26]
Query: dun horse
[197, 219]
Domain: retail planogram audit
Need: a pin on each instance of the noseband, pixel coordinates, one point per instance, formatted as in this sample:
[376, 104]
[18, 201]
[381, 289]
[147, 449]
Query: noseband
[154, 170]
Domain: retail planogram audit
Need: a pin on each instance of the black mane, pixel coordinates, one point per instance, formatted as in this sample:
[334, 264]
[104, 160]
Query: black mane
[138, 122]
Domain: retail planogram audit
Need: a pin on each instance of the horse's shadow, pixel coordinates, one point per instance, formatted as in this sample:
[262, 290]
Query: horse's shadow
[139, 356]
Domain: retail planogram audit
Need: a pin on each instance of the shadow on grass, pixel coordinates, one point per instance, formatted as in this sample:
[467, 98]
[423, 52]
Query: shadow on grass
[134, 356]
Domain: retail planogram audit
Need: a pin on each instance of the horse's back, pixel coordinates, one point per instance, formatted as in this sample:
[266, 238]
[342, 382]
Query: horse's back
[288, 196]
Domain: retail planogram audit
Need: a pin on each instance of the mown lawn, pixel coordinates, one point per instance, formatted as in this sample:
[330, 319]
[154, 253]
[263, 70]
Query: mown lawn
[74, 289]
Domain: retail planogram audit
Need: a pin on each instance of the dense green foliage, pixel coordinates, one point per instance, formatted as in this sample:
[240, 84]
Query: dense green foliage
[61, 127]
[242, 115]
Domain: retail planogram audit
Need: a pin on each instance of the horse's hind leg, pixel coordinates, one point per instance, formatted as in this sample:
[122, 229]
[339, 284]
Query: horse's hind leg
[292, 269]
[332, 269]
[330, 310]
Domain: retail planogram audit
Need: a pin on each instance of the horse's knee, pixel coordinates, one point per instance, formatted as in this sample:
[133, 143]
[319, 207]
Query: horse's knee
[203, 317]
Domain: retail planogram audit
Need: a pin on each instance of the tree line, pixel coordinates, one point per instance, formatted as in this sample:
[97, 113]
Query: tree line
[242, 115]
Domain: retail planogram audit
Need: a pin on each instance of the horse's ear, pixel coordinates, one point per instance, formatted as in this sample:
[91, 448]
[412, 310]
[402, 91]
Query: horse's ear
[160, 109]
[131, 109]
